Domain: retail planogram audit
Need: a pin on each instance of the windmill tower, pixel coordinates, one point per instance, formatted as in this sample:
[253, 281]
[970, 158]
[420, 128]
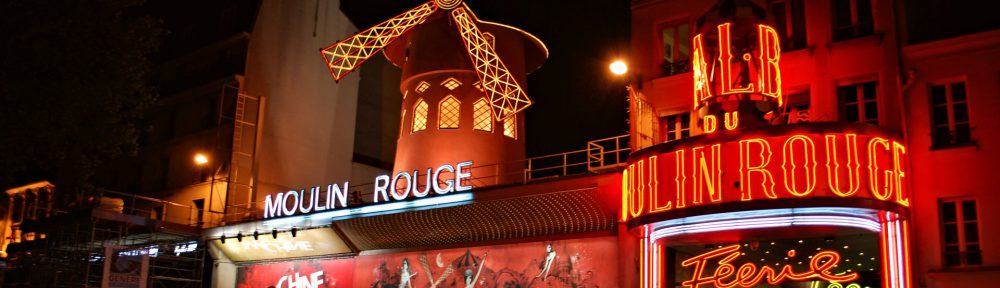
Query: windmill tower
[461, 85]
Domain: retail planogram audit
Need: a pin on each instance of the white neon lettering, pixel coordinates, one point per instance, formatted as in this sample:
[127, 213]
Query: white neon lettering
[450, 182]
[394, 191]
[459, 175]
[271, 208]
[381, 183]
[284, 206]
[427, 184]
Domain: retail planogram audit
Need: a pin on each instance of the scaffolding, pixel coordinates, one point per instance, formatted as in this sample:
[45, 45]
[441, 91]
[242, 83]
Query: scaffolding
[69, 248]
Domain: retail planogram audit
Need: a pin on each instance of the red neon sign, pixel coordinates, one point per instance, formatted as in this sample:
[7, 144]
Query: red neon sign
[767, 72]
[749, 274]
[763, 168]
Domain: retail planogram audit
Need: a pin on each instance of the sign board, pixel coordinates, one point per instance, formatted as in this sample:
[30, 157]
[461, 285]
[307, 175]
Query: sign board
[770, 164]
[306, 243]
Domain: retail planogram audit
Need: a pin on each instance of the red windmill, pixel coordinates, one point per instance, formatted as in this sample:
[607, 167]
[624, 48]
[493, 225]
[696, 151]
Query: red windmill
[452, 58]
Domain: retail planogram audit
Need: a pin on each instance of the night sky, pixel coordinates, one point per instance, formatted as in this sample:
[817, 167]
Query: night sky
[576, 97]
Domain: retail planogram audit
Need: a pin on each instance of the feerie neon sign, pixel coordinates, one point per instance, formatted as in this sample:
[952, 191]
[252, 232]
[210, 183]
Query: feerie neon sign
[769, 167]
[749, 274]
[441, 180]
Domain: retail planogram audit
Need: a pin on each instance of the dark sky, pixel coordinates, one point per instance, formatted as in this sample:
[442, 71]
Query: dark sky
[576, 97]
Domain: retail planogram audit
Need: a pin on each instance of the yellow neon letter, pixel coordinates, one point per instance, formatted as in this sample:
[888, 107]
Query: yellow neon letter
[767, 183]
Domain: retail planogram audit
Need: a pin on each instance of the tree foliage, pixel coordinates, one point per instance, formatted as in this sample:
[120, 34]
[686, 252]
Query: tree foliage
[73, 83]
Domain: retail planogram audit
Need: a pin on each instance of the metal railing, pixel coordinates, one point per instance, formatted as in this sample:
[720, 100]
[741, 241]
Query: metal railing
[600, 156]
[146, 207]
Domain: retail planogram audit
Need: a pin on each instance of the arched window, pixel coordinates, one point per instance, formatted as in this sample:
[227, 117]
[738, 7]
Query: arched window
[448, 113]
[510, 127]
[419, 116]
[482, 117]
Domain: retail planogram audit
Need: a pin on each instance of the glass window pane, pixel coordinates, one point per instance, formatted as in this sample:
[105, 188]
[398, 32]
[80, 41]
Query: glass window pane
[851, 113]
[798, 24]
[869, 90]
[667, 34]
[974, 258]
[848, 94]
[961, 112]
[971, 232]
[962, 133]
[969, 210]
[948, 212]
[871, 110]
[950, 233]
[952, 256]
[865, 26]
[841, 13]
[958, 91]
[683, 42]
[942, 135]
[685, 121]
[940, 116]
[938, 96]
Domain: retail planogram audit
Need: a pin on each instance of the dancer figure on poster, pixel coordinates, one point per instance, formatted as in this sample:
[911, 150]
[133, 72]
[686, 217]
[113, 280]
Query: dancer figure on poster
[471, 281]
[404, 275]
[550, 256]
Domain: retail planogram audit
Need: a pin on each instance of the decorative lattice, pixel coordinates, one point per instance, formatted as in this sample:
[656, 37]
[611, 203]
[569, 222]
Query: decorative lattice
[342, 57]
[419, 116]
[481, 119]
[478, 85]
[422, 86]
[451, 83]
[506, 96]
[510, 127]
[448, 113]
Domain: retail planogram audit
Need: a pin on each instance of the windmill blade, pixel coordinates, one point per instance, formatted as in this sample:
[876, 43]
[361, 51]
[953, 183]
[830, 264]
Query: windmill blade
[506, 96]
[342, 57]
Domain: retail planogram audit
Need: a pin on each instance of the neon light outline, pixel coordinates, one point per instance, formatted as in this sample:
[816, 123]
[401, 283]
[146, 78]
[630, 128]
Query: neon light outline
[788, 157]
[733, 121]
[873, 168]
[897, 151]
[654, 186]
[770, 54]
[745, 169]
[702, 86]
[709, 124]
[701, 172]
[853, 165]
[725, 63]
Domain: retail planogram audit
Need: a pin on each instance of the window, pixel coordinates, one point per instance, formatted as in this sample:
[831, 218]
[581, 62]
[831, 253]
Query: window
[419, 117]
[950, 115]
[451, 83]
[859, 102]
[960, 227]
[676, 48]
[790, 22]
[448, 113]
[510, 127]
[677, 126]
[422, 86]
[852, 19]
[482, 117]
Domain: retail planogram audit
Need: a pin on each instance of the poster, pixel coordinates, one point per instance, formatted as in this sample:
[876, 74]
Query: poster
[124, 268]
[591, 262]
[298, 274]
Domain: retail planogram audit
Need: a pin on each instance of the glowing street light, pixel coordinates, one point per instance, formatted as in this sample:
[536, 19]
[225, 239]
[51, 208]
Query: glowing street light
[618, 67]
[200, 159]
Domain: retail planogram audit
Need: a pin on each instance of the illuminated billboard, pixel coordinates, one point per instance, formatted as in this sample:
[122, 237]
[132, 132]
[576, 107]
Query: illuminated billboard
[297, 274]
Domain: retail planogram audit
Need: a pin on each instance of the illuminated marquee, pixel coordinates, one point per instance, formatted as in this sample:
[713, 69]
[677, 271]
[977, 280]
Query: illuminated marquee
[444, 179]
[792, 162]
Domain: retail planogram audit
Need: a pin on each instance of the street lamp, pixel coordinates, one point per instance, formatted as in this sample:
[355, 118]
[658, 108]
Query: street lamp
[618, 67]
[200, 159]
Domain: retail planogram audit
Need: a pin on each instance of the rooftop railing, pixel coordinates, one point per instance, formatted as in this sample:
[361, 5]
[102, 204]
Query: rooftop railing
[599, 156]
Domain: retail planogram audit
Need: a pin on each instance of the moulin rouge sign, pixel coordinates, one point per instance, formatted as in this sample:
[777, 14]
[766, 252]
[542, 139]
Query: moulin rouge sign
[766, 164]
[404, 185]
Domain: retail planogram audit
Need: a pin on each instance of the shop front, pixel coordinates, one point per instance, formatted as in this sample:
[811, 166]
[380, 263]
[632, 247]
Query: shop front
[808, 205]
